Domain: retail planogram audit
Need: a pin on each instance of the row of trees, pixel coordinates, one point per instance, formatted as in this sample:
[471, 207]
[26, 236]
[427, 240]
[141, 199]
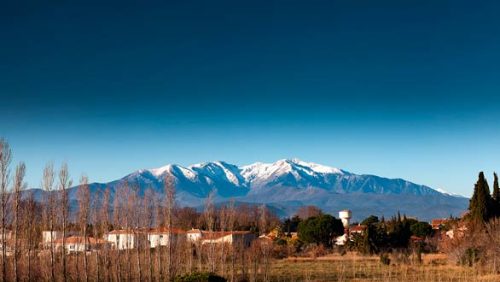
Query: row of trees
[388, 235]
[484, 206]
[379, 235]
[476, 240]
[24, 214]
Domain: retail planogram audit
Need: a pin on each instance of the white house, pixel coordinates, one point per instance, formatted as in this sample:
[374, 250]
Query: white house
[194, 235]
[48, 236]
[77, 244]
[161, 236]
[341, 240]
[122, 239]
[230, 237]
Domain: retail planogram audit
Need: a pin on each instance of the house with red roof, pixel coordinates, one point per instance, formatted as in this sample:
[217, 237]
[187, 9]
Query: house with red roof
[162, 236]
[79, 244]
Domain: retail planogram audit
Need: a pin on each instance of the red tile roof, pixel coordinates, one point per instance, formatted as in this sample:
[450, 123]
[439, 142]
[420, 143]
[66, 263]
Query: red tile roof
[357, 228]
[164, 230]
[80, 240]
[194, 231]
[121, 232]
[436, 223]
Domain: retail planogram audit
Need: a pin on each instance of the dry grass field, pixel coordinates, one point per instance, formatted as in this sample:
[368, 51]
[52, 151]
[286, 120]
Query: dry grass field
[352, 267]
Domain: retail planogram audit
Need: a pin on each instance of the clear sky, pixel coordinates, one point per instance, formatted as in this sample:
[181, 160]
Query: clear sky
[407, 89]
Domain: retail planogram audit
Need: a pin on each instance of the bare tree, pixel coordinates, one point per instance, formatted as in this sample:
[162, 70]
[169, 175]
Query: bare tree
[5, 159]
[136, 210]
[128, 209]
[223, 222]
[265, 246]
[306, 212]
[95, 216]
[83, 204]
[48, 186]
[149, 207]
[159, 259]
[169, 207]
[117, 218]
[231, 214]
[186, 217]
[64, 184]
[209, 215]
[19, 186]
[104, 224]
[30, 220]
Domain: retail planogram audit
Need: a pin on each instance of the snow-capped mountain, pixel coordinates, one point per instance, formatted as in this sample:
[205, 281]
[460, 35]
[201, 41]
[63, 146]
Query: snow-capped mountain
[290, 183]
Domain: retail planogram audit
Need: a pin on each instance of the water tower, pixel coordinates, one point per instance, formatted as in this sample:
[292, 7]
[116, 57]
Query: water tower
[345, 216]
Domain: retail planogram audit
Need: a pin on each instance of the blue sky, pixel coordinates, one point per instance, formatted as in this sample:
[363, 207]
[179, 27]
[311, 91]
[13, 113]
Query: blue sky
[403, 89]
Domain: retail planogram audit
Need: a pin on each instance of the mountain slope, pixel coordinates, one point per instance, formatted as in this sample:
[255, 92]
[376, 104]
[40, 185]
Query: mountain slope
[288, 184]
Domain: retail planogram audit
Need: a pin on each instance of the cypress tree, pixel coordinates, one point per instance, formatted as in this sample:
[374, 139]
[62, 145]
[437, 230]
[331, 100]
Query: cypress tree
[369, 242]
[480, 205]
[496, 195]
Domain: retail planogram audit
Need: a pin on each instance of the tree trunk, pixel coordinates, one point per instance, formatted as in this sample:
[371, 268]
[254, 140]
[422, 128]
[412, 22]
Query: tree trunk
[5, 159]
[48, 185]
[64, 184]
[18, 187]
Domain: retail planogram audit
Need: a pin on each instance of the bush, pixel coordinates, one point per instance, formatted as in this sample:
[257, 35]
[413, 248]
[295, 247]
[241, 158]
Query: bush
[281, 252]
[421, 229]
[384, 259]
[200, 277]
[470, 257]
[281, 242]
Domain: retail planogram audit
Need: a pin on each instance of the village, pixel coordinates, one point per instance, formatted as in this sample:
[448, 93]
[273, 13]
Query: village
[127, 239]
[140, 238]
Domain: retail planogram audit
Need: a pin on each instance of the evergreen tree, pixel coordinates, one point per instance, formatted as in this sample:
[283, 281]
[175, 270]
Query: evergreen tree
[496, 195]
[480, 205]
[369, 241]
[320, 230]
[372, 219]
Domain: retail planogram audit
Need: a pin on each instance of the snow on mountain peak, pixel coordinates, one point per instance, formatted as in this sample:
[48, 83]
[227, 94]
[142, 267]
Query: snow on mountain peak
[187, 172]
[161, 170]
[231, 180]
[269, 170]
[442, 191]
[317, 167]
[218, 168]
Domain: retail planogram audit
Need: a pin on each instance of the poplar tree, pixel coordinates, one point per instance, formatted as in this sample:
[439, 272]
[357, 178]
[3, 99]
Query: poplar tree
[169, 208]
[84, 210]
[64, 184]
[48, 186]
[5, 159]
[19, 186]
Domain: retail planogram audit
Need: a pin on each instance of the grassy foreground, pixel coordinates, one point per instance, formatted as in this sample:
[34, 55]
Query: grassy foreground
[352, 267]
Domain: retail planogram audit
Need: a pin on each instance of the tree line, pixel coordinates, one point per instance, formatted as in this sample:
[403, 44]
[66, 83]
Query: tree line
[24, 218]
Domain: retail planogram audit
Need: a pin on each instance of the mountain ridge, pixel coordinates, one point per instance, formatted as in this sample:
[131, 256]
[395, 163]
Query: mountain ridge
[290, 183]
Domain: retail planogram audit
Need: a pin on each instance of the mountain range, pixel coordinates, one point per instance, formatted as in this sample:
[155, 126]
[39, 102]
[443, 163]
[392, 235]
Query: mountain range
[288, 184]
